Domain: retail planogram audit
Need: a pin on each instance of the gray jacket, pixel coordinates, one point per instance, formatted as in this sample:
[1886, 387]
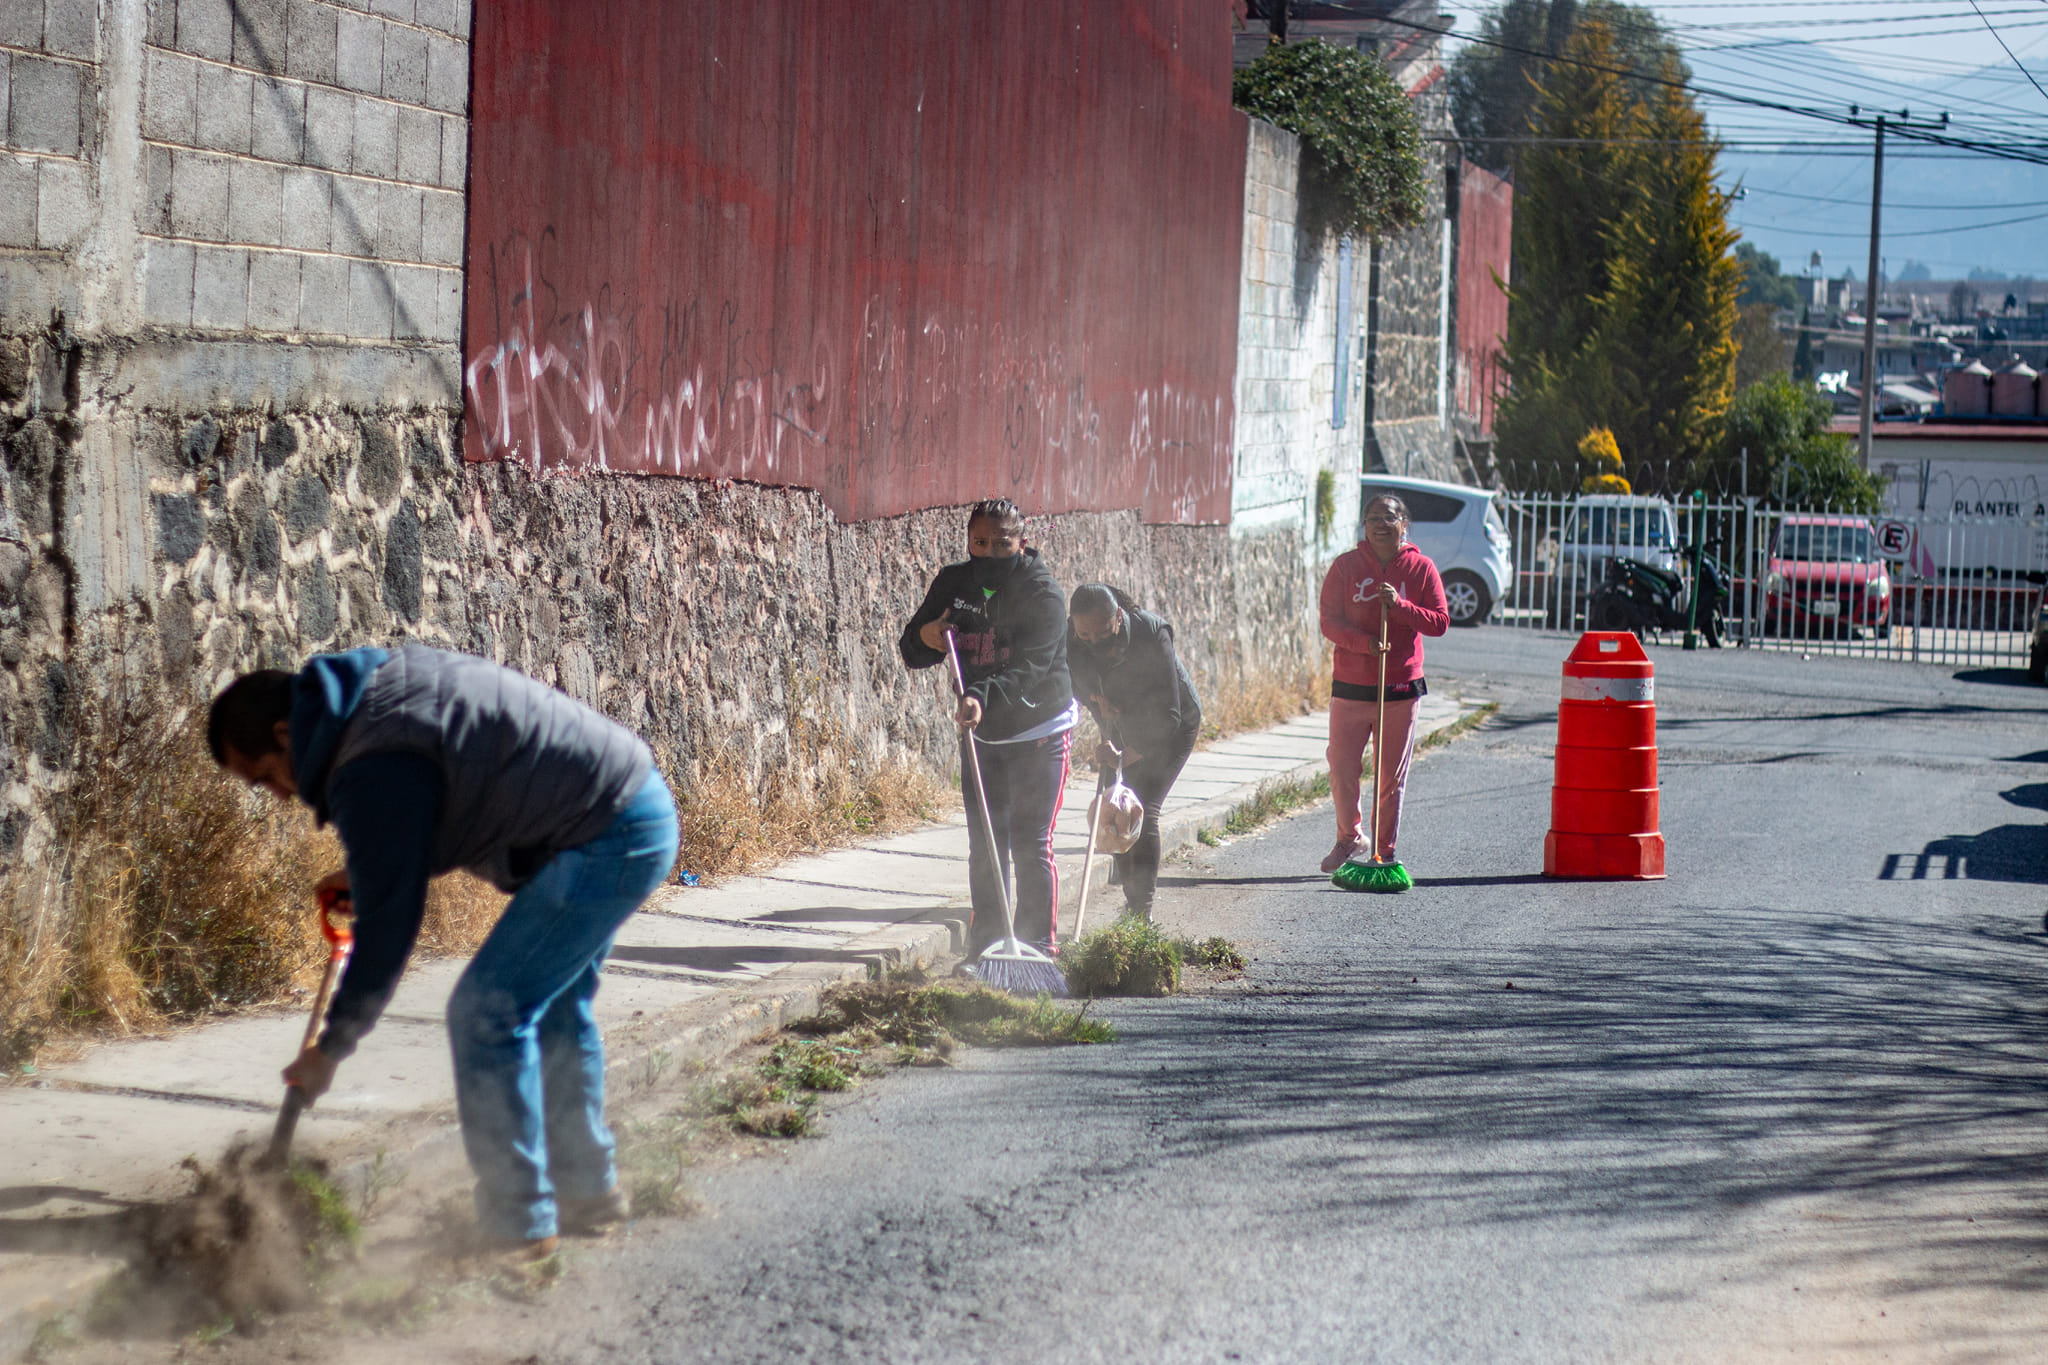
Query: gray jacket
[526, 770]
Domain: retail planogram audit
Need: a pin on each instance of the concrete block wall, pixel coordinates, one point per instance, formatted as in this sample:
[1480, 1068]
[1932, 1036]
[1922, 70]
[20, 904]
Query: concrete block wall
[226, 217]
[303, 167]
[49, 100]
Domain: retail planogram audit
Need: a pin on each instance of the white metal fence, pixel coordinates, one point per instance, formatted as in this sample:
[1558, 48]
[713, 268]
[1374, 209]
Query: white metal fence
[1923, 588]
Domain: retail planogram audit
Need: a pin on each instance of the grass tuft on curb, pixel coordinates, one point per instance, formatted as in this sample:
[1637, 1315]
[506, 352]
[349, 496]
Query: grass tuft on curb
[1463, 725]
[1135, 957]
[1130, 957]
[912, 1012]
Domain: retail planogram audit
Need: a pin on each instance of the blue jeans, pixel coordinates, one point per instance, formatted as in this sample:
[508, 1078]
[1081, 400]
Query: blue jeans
[529, 1062]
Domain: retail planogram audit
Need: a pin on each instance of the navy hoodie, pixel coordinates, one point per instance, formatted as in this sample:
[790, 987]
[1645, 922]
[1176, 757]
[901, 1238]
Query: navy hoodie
[388, 804]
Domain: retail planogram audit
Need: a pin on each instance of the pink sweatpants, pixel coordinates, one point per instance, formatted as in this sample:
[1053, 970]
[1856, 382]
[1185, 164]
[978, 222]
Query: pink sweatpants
[1351, 725]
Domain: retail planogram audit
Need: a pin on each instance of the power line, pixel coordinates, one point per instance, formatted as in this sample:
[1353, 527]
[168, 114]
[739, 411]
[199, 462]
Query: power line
[2033, 154]
[2008, 51]
[1895, 204]
[1889, 235]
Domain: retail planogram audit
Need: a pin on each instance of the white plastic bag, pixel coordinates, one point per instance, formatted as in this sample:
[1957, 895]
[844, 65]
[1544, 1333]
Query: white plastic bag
[1118, 815]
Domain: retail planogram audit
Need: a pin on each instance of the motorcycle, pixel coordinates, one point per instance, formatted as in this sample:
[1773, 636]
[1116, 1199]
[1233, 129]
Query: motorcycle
[1642, 598]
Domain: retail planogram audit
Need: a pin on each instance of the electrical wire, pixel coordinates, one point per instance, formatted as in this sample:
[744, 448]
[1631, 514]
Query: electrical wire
[1889, 234]
[2008, 51]
[2031, 153]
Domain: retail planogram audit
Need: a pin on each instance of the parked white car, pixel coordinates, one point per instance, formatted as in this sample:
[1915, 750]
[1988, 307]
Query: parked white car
[1461, 531]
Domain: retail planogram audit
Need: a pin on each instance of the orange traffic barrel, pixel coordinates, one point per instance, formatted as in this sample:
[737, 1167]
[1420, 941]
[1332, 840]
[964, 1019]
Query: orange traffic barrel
[1603, 800]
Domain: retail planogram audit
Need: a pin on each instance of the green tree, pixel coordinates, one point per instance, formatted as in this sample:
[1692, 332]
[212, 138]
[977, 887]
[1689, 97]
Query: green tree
[1793, 455]
[1363, 171]
[1802, 354]
[1493, 83]
[1669, 320]
[1759, 346]
[1762, 279]
[1623, 301]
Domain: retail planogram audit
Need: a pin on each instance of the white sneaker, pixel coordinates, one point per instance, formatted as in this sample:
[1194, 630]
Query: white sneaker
[1341, 853]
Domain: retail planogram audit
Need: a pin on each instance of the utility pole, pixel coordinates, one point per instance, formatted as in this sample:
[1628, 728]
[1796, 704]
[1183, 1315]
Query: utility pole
[1867, 406]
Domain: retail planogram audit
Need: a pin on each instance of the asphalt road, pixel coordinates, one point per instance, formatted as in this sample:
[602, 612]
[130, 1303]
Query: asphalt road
[1791, 1102]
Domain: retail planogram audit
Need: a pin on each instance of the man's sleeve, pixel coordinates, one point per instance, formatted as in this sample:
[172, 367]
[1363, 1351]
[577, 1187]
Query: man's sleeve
[384, 807]
[1082, 672]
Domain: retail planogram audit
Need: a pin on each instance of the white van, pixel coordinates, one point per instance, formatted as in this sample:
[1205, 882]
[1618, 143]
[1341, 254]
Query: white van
[1461, 531]
[1601, 527]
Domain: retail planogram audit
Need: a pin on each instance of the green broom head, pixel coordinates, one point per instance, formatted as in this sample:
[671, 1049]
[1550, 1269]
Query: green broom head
[1372, 875]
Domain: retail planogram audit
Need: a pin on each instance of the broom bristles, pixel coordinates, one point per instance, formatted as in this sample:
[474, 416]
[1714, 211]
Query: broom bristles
[1020, 970]
[1372, 876]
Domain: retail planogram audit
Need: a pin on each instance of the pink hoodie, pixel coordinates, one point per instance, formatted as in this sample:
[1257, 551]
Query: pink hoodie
[1352, 622]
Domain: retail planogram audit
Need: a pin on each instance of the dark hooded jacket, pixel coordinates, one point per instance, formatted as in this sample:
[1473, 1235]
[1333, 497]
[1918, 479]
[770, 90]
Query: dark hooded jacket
[1140, 676]
[1012, 624]
[425, 761]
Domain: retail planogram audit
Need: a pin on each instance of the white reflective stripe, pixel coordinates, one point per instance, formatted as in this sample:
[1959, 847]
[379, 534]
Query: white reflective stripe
[1610, 689]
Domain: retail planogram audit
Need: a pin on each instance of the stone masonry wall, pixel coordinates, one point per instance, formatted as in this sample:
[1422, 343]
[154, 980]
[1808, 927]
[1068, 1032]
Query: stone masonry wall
[229, 419]
[153, 553]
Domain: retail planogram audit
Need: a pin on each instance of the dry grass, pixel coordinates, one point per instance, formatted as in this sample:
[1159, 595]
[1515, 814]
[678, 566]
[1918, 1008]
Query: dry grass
[822, 796]
[1267, 699]
[173, 891]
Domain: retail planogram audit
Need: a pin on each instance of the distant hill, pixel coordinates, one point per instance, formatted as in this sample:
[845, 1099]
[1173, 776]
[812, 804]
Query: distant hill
[1949, 241]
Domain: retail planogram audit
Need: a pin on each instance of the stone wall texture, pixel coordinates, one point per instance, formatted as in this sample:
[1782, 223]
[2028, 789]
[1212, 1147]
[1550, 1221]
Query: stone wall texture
[154, 552]
[230, 417]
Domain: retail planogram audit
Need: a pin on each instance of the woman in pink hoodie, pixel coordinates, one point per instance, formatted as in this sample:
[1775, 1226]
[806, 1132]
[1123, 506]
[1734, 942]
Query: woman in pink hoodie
[1383, 574]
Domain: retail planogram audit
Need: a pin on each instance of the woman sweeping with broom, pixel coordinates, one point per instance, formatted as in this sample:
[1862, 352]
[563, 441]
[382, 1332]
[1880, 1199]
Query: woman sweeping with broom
[1378, 601]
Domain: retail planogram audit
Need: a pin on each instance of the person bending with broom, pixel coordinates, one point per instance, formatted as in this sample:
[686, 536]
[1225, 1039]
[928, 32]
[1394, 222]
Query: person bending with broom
[1000, 620]
[1378, 601]
[1126, 673]
[426, 761]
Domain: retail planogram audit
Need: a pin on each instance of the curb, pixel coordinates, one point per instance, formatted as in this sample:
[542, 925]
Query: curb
[692, 1037]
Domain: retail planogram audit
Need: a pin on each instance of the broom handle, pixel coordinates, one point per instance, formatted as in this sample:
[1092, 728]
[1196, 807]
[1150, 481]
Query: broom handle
[1088, 859]
[339, 944]
[988, 826]
[1379, 734]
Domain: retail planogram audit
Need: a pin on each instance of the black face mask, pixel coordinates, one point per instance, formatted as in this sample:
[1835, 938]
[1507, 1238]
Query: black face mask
[987, 571]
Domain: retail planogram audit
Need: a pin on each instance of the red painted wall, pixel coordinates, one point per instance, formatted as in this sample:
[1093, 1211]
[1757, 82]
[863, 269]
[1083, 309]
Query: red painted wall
[909, 254]
[1486, 217]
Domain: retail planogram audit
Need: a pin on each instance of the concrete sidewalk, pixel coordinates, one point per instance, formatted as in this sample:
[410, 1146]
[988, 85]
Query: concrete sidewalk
[700, 971]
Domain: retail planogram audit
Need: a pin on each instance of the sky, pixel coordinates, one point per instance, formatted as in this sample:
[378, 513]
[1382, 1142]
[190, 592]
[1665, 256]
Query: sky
[1806, 180]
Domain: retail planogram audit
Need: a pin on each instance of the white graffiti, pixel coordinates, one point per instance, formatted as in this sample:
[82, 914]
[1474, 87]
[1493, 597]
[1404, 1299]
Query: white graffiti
[571, 389]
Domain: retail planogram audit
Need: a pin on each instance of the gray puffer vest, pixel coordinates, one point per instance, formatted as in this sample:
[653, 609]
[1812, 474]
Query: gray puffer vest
[526, 771]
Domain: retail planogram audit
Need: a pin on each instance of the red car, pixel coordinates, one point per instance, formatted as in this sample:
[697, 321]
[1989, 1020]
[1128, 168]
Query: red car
[1826, 576]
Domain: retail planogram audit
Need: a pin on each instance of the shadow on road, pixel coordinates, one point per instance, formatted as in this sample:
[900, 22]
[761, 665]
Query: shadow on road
[1726, 1061]
[2003, 853]
[1996, 677]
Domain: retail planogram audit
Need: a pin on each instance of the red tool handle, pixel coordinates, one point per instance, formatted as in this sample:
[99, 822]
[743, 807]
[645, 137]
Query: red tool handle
[336, 910]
